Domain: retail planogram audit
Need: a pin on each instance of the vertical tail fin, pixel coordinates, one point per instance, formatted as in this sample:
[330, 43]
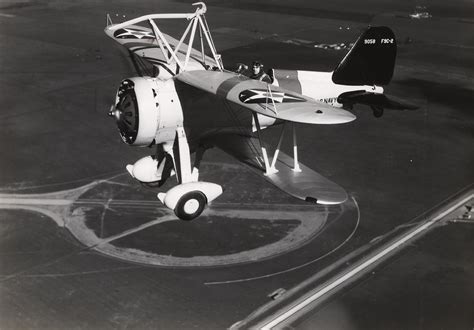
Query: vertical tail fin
[370, 61]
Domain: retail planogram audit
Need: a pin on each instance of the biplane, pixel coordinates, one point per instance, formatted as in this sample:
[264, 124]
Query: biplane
[190, 102]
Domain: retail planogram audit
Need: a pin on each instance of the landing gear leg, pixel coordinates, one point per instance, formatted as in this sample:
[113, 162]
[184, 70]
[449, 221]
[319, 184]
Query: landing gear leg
[197, 162]
[189, 198]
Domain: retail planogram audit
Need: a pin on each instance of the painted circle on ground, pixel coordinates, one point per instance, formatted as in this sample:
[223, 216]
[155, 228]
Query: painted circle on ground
[118, 218]
[232, 231]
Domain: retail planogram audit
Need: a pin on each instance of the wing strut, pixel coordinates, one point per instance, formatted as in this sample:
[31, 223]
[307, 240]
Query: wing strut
[296, 166]
[271, 168]
[277, 150]
[268, 169]
[269, 92]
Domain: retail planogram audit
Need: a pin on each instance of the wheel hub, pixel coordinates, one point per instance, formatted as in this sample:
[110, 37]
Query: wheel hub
[191, 206]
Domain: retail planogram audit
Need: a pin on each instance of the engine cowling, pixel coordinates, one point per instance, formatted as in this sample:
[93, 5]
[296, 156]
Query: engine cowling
[146, 111]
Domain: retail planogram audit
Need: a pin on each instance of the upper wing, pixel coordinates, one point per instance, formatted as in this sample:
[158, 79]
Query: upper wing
[142, 42]
[265, 99]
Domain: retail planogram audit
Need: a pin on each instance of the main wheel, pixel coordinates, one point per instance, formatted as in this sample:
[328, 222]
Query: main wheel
[190, 205]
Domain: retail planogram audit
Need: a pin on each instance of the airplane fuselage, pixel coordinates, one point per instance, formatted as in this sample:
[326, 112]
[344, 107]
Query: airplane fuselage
[317, 85]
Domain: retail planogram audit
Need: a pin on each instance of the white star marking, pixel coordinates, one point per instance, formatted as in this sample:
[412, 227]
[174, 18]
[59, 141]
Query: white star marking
[135, 34]
[277, 97]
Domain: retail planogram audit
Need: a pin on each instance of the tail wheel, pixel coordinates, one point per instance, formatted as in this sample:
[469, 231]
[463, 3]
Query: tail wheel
[190, 205]
[378, 111]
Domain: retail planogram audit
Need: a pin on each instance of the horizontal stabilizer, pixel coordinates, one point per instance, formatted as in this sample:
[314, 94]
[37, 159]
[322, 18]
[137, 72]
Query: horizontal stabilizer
[265, 99]
[375, 100]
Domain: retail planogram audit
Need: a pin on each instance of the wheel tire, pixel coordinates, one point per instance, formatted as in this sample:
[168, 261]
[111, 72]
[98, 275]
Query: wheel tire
[190, 205]
[378, 111]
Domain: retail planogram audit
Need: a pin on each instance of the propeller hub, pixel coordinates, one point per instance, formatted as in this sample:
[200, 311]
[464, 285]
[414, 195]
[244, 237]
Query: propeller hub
[115, 113]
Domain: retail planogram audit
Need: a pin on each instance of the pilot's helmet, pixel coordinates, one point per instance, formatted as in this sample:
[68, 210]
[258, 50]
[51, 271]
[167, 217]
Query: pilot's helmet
[256, 64]
[256, 67]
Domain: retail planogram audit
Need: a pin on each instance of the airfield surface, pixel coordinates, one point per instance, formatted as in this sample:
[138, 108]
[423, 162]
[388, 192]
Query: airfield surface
[84, 246]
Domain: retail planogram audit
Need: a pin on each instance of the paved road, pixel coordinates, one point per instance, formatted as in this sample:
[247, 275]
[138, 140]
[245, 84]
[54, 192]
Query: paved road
[301, 306]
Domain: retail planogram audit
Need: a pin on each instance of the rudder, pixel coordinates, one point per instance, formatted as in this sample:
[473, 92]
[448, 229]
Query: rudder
[370, 61]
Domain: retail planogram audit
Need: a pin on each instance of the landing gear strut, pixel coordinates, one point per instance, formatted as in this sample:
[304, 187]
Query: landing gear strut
[189, 198]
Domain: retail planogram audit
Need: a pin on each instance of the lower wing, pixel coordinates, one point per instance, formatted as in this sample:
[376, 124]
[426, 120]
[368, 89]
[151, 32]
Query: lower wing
[306, 185]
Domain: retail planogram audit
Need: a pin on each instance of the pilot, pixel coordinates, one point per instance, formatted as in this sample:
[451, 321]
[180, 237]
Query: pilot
[259, 74]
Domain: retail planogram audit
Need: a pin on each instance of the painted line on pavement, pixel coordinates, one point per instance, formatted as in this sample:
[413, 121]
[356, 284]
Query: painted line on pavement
[7, 15]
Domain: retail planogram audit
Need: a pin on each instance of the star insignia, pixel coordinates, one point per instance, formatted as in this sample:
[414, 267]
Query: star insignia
[128, 33]
[266, 96]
